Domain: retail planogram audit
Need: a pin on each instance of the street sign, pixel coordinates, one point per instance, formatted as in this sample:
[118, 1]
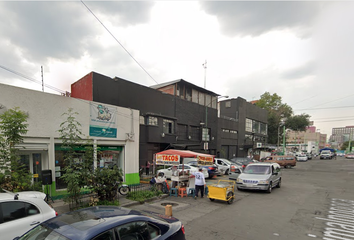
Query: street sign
[206, 146]
[35, 175]
[205, 135]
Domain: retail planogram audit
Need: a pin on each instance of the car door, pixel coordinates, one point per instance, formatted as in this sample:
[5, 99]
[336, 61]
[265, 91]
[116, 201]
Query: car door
[275, 174]
[17, 217]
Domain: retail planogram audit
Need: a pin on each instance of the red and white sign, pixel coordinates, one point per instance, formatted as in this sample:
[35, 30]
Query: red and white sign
[162, 159]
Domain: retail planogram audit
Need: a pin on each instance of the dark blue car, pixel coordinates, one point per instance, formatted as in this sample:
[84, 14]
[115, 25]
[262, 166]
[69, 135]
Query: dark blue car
[108, 223]
[212, 170]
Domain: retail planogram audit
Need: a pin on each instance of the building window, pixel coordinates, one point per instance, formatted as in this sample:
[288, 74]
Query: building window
[201, 98]
[189, 94]
[168, 126]
[225, 130]
[263, 128]
[208, 100]
[233, 131]
[214, 102]
[248, 125]
[194, 96]
[152, 121]
[195, 133]
[227, 104]
[142, 120]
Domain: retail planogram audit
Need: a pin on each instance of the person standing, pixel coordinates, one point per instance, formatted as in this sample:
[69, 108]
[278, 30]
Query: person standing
[147, 167]
[199, 183]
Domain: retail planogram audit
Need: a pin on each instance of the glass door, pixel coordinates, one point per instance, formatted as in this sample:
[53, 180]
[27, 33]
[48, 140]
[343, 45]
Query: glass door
[37, 166]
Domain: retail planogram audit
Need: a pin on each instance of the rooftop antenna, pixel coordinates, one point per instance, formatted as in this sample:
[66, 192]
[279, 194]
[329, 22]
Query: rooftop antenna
[205, 67]
[42, 79]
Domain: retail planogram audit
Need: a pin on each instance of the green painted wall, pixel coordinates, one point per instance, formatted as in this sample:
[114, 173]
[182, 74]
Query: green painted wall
[132, 178]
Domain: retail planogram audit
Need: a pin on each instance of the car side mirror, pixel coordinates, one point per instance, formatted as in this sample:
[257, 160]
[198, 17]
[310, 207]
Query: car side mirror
[275, 173]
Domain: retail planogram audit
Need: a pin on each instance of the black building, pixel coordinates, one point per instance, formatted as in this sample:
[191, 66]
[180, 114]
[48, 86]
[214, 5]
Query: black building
[172, 115]
[242, 128]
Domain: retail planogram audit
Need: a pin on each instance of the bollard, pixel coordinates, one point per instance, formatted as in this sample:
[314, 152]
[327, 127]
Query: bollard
[168, 210]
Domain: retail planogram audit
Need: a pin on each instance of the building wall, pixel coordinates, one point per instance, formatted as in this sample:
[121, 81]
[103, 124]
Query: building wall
[45, 114]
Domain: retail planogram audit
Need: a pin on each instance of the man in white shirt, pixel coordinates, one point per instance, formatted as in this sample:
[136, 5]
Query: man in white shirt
[199, 183]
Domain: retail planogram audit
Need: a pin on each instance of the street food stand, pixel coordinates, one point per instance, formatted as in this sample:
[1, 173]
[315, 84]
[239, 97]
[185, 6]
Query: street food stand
[173, 157]
[224, 190]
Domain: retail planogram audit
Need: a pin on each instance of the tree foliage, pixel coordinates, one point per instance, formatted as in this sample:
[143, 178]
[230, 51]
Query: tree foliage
[278, 112]
[14, 176]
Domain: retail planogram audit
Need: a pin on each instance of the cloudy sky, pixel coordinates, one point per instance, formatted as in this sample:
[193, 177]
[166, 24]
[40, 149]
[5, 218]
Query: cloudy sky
[303, 51]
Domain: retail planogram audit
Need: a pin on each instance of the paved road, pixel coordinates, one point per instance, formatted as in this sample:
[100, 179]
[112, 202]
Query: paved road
[312, 203]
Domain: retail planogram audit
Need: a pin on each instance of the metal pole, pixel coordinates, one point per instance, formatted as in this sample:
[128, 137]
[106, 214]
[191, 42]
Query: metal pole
[284, 139]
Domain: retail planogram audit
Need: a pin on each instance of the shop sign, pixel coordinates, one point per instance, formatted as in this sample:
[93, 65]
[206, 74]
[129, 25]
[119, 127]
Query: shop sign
[162, 159]
[205, 160]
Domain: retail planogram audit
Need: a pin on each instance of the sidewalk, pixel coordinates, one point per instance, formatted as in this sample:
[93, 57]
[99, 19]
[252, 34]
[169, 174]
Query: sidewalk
[61, 207]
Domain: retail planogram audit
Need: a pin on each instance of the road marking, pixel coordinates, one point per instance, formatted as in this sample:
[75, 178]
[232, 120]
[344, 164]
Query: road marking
[340, 220]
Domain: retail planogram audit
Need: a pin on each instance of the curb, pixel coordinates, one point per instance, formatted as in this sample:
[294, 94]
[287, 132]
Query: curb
[133, 203]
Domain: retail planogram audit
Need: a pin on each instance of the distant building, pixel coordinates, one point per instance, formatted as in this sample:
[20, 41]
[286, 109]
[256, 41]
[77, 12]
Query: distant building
[309, 140]
[341, 135]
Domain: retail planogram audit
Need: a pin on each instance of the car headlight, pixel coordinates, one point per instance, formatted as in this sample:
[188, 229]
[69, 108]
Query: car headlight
[239, 180]
[263, 182]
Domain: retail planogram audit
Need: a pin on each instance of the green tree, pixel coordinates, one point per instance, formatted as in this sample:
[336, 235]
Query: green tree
[298, 122]
[14, 175]
[276, 112]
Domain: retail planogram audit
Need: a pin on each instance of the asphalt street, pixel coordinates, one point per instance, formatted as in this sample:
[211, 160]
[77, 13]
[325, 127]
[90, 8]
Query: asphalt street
[300, 209]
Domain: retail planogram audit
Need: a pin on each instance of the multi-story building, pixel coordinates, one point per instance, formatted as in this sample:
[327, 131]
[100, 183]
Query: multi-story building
[309, 140]
[242, 128]
[176, 114]
[341, 135]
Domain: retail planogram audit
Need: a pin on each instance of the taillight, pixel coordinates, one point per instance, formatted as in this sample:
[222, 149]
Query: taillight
[56, 213]
[243, 166]
[183, 229]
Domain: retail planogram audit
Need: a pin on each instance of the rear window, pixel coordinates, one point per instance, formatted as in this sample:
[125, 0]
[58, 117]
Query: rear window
[14, 210]
[289, 158]
[40, 232]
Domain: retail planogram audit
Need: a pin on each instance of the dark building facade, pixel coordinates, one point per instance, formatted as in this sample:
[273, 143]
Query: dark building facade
[242, 128]
[172, 115]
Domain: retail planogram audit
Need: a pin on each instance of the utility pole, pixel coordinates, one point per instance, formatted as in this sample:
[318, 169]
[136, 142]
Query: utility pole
[205, 67]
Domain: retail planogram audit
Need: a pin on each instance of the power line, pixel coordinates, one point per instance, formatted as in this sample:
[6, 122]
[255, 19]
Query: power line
[32, 79]
[309, 109]
[118, 42]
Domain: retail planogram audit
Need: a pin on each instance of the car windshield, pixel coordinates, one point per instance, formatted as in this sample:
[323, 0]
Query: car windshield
[256, 169]
[41, 232]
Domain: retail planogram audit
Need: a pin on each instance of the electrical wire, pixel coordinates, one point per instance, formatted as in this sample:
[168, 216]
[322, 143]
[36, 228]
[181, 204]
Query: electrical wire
[32, 79]
[118, 42]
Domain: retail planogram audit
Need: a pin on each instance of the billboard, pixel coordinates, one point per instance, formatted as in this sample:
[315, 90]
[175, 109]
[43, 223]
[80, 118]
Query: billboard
[103, 121]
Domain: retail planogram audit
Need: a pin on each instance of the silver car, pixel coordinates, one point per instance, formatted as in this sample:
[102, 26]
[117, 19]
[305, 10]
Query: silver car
[260, 176]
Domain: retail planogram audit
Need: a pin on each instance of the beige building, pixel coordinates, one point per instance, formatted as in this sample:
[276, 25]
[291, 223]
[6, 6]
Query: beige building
[305, 141]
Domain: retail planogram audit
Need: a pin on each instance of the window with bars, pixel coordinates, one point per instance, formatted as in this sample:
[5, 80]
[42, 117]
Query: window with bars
[152, 121]
[168, 126]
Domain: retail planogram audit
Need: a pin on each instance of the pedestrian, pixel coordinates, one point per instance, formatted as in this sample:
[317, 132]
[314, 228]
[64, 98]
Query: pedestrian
[199, 183]
[147, 167]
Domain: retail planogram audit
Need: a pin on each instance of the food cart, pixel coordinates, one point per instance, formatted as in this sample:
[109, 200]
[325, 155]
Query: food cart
[224, 190]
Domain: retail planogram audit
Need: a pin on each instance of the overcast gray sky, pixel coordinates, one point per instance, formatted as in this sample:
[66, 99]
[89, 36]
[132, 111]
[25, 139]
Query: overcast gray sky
[303, 51]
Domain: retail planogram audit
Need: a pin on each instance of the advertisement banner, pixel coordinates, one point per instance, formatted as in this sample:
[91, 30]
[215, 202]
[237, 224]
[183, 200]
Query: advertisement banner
[204, 160]
[167, 159]
[102, 121]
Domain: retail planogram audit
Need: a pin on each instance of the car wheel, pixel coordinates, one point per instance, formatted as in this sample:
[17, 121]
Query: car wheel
[211, 199]
[279, 183]
[239, 189]
[227, 172]
[230, 196]
[269, 190]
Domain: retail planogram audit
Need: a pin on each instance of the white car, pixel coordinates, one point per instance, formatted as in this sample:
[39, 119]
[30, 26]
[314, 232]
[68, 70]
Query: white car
[167, 172]
[19, 212]
[301, 158]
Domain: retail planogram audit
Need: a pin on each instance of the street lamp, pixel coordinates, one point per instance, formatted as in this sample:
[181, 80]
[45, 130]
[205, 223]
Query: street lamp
[282, 122]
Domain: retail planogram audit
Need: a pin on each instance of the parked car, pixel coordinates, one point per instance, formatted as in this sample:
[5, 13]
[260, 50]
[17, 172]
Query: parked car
[242, 162]
[309, 156]
[260, 176]
[286, 161]
[212, 170]
[108, 223]
[301, 157]
[19, 212]
[167, 172]
[225, 166]
[234, 175]
[326, 154]
[349, 155]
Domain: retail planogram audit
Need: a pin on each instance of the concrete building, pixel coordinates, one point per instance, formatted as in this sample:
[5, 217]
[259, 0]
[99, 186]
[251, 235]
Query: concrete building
[341, 135]
[41, 150]
[242, 129]
[309, 140]
[172, 115]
